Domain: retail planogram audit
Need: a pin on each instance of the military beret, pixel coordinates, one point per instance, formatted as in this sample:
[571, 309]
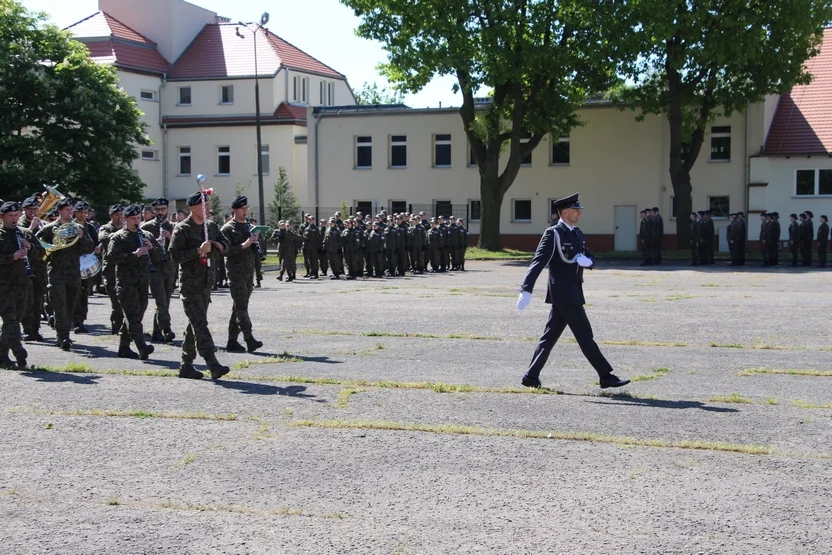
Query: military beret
[147, 208]
[132, 210]
[824, 217]
[161, 201]
[11, 206]
[655, 209]
[81, 205]
[30, 202]
[115, 209]
[194, 199]
[332, 220]
[810, 214]
[239, 202]
[793, 216]
[63, 203]
[701, 212]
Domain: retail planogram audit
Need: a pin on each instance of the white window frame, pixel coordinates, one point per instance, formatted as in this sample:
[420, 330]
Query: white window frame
[717, 135]
[469, 162]
[266, 155]
[322, 88]
[709, 197]
[365, 144]
[523, 140]
[514, 210]
[152, 94]
[816, 191]
[393, 143]
[471, 218]
[231, 95]
[442, 142]
[300, 89]
[330, 93]
[153, 155]
[184, 155]
[223, 154]
[551, 153]
[179, 96]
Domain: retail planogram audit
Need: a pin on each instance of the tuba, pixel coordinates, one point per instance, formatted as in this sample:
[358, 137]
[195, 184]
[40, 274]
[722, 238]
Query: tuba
[50, 199]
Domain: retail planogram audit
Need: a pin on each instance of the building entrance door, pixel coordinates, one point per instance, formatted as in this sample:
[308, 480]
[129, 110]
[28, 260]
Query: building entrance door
[625, 228]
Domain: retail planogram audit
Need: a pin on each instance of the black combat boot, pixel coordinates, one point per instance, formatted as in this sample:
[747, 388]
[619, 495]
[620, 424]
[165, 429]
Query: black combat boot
[218, 370]
[234, 346]
[124, 350]
[66, 344]
[187, 370]
[157, 336]
[20, 355]
[145, 350]
[169, 335]
[33, 336]
[81, 328]
[5, 361]
[252, 344]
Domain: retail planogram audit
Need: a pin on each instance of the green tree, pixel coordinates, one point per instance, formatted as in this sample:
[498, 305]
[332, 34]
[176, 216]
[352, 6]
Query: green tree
[540, 58]
[701, 60]
[215, 206]
[284, 205]
[373, 94]
[63, 118]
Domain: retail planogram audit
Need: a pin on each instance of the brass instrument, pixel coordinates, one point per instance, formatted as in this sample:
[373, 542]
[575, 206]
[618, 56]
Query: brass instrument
[51, 198]
[65, 236]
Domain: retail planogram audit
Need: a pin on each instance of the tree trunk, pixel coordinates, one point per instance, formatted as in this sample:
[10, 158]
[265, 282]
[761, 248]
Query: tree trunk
[492, 202]
[684, 206]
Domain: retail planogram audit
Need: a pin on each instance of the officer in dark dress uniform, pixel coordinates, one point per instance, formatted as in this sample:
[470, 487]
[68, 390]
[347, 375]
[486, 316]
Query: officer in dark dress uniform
[823, 238]
[564, 250]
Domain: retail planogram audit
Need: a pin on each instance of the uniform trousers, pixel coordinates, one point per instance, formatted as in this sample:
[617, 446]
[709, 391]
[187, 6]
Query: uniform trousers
[574, 316]
[14, 301]
[197, 335]
[133, 301]
[63, 291]
[241, 289]
[31, 320]
[116, 313]
[161, 286]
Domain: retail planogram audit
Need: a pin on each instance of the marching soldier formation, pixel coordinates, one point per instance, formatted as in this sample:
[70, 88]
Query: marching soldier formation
[362, 246]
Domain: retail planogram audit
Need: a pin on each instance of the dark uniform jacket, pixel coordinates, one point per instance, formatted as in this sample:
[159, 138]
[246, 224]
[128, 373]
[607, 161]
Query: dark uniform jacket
[132, 270]
[108, 267]
[154, 227]
[565, 284]
[65, 262]
[194, 276]
[823, 234]
[241, 262]
[12, 272]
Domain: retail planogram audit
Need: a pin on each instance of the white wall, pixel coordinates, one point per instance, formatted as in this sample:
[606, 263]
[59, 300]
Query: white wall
[205, 98]
[150, 171]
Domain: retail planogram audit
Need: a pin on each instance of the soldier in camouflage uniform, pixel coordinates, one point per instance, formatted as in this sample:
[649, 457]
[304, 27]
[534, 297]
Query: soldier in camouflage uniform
[375, 260]
[258, 264]
[823, 239]
[108, 268]
[311, 246]
[240, 257]
[291, 242]
[463, 243]
[434, 246]
[417, 245]
[332, 245]
[196, 255]
[14, 282]
[161, 281]
[348, 244]
[323, 260]
[64, 271]
[135, 254]
[32, 318]
[79, 313]
[794, 238]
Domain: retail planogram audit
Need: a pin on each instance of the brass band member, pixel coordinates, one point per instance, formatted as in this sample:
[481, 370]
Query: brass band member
[79, 313]
[14, 283]
[108, 268]
[64, 267]
[32, 319]
[161, 281]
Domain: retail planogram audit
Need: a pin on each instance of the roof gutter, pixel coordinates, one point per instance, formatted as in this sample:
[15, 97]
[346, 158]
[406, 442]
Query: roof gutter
[164, 138]
[318, 118]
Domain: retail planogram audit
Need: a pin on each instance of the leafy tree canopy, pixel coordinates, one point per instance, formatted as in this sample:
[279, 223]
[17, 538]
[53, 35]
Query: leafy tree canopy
[373, 94]
[64, 120]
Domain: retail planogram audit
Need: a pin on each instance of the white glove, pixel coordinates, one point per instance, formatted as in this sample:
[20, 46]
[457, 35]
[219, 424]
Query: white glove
[583, 261]
[524, 300]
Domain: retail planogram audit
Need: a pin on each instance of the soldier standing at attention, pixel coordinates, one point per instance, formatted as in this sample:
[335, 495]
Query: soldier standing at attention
[278, 237]
[809, 239]
[311, 246]
[417, 243]
[161, 281]
[14, 283]
[434, 246]
[743, 237]
[135, 253]
[774, 239]
[401, 244]
[643, 236]
[332, 245]
[63, 268]
[108, 267]
[731, 237]
[823, 237]
[323, 261]
[291, 242]
[31, 320]
[564, 250]
[375, 259]
[79, 313]
[694, 239]
[463, 243]
[709, 236]
[763, 238]
[794, 238]
[196, 255]
[658, 235]
[240, 268]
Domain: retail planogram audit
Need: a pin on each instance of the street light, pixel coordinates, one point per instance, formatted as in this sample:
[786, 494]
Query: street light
[264, 19]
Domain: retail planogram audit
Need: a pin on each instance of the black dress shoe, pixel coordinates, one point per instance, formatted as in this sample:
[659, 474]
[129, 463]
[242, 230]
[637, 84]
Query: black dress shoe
[188, 371]
[157, 337]
[34, 336]
[530, 382]
[612, 381]
[169, 336]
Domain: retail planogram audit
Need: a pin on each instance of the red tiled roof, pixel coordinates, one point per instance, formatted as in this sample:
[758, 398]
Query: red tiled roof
[286, 110]
[219, 51]
[125, 48]
[803, 121]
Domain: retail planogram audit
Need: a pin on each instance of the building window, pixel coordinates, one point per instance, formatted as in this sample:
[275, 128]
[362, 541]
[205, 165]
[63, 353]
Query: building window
[147, 95]
[474, 210]
[521, 210]
[553, 211]
[363, 153]
[813, 183]
[227, 94]
[184, 160]
[527, 159]
[441, 151]
[398, 206]
[300, 89]
[223, 160]
[150, 155]
[398, 151]
[472, 162]
[264, 158]
[364, 206]
[672, 208]
[560, 152]
[443, 208]
[330, 94]
[184, 96]
[720, 207]
[721, 143]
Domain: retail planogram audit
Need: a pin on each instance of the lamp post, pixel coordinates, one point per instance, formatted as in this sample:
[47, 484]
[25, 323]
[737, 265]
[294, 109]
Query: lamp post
[264, 19]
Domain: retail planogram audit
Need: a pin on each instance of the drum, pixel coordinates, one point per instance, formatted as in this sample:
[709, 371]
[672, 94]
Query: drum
[90, 265]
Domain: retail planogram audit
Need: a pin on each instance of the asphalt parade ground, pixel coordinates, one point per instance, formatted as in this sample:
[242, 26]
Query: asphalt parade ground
[387, 416]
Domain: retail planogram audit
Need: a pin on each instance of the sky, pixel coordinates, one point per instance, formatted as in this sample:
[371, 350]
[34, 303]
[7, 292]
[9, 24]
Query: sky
[324, 29]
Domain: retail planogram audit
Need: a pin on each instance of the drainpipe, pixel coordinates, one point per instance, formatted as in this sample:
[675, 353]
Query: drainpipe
[317, 122]
[748, 176]
[164, 138]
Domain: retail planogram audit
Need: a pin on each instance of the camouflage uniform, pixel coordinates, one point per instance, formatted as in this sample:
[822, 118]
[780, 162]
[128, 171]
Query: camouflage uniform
[311, 246]
[14, 292]
[81, 309]
[240, 266]
[31, 320]
[108, 271]
[323, 260]
[64, 271]
[162, 280]
[195, 282]
[132, 279]
[332, 245]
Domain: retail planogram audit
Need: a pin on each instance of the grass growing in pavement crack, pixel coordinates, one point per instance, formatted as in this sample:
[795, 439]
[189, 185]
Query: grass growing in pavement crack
[283, 358]
[732, 398]
[263, 430]
[785, 372]
[131, 414]
[452, 429]
[654, 375]
[344, 396]
[804, 405]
